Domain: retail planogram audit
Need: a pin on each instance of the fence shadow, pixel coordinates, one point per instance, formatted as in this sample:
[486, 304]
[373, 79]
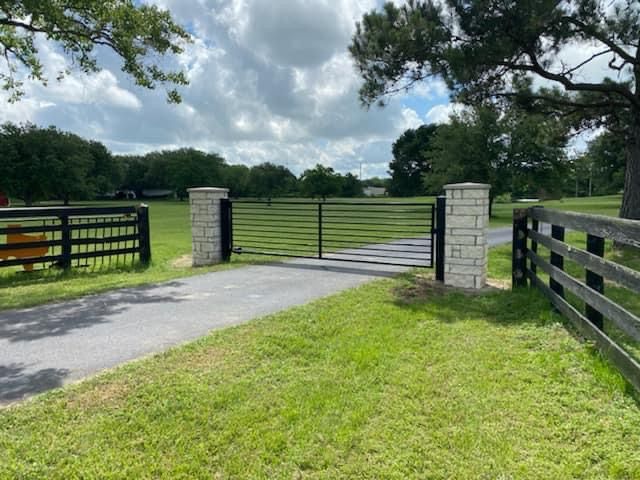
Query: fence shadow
[61, 318]
[417, 293]
[16, 382]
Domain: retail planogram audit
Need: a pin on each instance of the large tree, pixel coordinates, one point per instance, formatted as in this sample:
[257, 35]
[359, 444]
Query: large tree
[486, 48]
[409, 163]
[45, 163]
[321, 181]
[137, 33]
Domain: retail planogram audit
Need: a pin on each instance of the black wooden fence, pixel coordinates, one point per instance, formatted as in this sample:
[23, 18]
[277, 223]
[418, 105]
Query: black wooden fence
[74, 236]
[590, 322]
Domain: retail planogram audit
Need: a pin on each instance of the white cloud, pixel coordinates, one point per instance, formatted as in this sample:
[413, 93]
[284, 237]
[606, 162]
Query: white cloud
[269, 81]
[441, 113]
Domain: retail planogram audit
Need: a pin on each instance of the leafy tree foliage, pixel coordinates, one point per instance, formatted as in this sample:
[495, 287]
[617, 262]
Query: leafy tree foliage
[600, 171]
[409, 163]
[38, 163]
[321, 181]
[351, 186]
[137, 33]
[490, 49]
[237, 180]
[516, 152]
[268, 180]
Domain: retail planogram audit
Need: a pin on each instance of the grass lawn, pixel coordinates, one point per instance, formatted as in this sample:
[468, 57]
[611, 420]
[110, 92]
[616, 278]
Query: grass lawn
[395, 379]
[171, 239]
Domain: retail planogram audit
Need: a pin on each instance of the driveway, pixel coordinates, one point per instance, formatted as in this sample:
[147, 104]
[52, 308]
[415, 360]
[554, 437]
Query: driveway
[48, 346]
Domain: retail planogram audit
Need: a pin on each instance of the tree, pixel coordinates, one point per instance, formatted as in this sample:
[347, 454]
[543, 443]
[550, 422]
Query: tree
[320, 181]
[137, 33]
[39, 163]
[269, 180]
[351, 186]
[236, 178]
[469, 149]
[600, 171]
[513, 151]
[106, 172]
[409, 164]
[487, 49]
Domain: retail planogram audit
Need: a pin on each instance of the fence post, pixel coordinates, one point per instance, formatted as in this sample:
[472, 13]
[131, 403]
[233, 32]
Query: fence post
[441, 215]
[226, 229]
[519, 248]
[466, 248]
[557, 260]
[144, 233]
[206, 225]
[65, 262]
[535, 226]
[319, 230]
[595, 245]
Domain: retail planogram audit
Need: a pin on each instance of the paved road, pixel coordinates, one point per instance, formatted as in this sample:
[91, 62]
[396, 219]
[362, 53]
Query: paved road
[47, 346]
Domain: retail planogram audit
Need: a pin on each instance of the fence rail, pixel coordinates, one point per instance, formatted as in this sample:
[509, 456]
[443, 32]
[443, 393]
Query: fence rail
[590, 323]
[73, 236]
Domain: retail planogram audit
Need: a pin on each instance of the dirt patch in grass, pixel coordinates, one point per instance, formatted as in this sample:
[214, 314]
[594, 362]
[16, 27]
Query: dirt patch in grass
[105, 394]
[184, 261]
[421, 288]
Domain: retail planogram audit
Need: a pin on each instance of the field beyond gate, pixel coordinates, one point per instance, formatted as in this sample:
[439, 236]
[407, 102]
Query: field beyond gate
[381, 232]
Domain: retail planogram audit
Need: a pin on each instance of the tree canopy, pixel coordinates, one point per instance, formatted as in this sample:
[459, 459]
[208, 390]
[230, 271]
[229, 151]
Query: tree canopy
[409, 162]
[137, 33]
[320, 181]
[514, 151]
[487, 49]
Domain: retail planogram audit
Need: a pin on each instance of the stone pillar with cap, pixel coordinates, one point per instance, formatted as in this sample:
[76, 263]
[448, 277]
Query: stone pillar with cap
[466, 249]
[206, 228]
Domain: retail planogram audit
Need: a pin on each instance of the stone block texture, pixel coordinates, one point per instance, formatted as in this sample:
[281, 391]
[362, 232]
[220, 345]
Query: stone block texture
[466, 247]
[206, 232]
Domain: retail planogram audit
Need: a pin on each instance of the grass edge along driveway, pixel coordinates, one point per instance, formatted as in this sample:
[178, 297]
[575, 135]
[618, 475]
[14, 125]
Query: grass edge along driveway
[394, 379]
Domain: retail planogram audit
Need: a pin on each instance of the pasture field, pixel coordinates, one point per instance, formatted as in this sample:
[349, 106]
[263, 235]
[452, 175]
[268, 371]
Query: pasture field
[399, 378]
[171, 242]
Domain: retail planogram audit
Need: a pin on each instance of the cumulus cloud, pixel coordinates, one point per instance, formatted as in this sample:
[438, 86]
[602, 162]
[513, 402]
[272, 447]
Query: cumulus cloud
[269, 81]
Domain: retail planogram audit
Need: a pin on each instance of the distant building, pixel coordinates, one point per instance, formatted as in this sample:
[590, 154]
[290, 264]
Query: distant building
[375, 191]
[158, 193]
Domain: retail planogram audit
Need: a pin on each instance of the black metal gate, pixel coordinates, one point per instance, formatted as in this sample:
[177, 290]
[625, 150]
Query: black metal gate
[389, 233]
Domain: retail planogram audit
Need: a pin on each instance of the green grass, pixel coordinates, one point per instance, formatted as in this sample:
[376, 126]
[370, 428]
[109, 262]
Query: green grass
[171, 239]
[605, 205]
[395, 379]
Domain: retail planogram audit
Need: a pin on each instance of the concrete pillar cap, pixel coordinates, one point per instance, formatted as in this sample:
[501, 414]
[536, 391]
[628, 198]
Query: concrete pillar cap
[208, 190]
[467, 186]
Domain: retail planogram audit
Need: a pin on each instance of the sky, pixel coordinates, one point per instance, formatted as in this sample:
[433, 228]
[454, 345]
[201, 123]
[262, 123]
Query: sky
[270, 80]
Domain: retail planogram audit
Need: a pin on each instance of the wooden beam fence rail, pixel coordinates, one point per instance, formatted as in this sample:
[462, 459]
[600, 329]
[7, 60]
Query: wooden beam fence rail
[527, 262]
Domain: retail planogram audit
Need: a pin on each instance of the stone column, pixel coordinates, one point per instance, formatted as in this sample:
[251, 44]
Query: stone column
[205, 224]
[466, 248]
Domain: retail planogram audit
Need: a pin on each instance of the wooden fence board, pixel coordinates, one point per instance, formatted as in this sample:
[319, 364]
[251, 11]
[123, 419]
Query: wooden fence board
[626, 365]
[625, 320]
[612, 271]
[618, 229]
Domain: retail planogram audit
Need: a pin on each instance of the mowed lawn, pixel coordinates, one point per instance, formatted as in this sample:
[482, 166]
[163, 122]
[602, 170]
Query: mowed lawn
[171, 242]
[396, 379]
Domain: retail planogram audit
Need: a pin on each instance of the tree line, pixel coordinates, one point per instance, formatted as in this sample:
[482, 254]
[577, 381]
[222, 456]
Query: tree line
[48, 164]
[519, 153]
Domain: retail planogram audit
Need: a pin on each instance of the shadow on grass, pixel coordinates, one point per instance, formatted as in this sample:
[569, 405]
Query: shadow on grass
[17, 383]
[61, 318]
[16, 278]
[506, 307]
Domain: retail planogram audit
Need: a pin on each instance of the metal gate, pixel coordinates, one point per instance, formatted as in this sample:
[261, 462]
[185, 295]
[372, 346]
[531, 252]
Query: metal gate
[405, 234]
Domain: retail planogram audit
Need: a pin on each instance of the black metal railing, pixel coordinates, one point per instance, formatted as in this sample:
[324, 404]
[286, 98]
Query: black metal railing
[69, 237]
[372, 232]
